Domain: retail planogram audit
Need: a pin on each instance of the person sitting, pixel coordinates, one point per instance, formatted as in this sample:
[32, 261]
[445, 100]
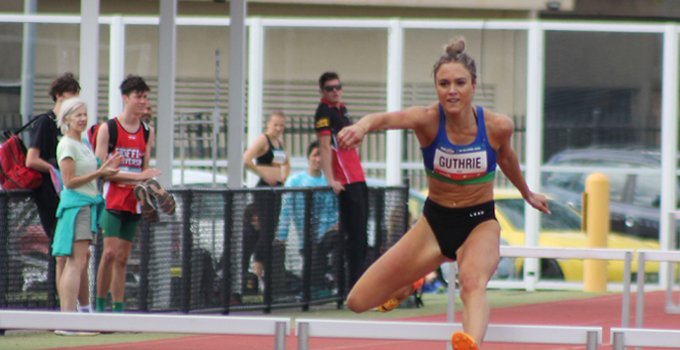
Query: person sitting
[324, 218]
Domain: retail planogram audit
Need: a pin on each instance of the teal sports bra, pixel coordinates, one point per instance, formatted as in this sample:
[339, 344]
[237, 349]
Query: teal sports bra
[460, 165]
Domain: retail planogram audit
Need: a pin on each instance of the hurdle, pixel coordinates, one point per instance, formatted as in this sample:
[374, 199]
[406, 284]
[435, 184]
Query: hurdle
[654, 255]
[651, 338]
[279, 327]
[438, 331]
[578, 253]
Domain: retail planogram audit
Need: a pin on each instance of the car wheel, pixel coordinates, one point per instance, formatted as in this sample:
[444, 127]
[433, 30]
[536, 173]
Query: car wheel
[550, 269]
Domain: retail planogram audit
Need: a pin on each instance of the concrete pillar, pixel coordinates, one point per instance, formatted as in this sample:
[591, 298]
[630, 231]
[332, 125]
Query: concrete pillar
[165, 132]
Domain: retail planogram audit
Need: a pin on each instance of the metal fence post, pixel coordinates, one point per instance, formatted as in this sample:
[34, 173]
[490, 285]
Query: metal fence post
[185, 287]
[226, 253]
[379, 218]
[145, 250]
[340, 253]
[267, 232]
[307, 249]
[4, 248]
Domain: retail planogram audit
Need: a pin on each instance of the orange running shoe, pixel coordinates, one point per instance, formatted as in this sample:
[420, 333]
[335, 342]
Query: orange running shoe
[394, 302]
[462, 341]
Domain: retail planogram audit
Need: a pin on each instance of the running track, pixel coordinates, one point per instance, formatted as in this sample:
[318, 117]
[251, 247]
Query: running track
[602, 311]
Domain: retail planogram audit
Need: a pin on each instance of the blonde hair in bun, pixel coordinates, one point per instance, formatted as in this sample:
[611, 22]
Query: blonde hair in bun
[456, 46]
[455, 52]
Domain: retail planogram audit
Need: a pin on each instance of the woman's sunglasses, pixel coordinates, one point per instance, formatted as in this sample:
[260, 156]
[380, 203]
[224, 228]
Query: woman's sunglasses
[329, 88]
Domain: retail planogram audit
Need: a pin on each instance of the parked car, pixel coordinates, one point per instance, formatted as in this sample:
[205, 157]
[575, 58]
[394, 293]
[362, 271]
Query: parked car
[563, 229]
[634, 199]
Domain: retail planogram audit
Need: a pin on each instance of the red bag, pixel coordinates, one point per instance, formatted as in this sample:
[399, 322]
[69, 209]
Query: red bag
[13, 171]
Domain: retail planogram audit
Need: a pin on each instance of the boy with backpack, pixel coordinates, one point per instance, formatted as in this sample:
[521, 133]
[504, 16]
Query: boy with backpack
[129, 136]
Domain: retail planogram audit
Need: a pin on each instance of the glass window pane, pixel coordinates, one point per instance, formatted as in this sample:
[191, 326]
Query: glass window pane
[647, 191]
[599, 91]
[11, 37]
[57, 51]
[561, 218]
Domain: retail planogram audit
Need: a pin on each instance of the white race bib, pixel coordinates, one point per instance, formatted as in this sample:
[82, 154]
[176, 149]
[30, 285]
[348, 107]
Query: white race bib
[279, 157]
[459, 166]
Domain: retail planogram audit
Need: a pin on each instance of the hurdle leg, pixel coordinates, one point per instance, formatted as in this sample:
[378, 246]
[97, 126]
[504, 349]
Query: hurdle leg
[591, 343]
[640, 304]
[617, 341]
[625, 309]
[303, 336]
[451, 306]
[280, 336]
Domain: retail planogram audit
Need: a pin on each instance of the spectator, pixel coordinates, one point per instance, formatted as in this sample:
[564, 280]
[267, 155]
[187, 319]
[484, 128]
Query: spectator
[41, 156]
[251, 236]
[148, 113]
[120, 219]
[78, 208]
[324, 217]
[271, 163]
[343, 171]
[272, 166]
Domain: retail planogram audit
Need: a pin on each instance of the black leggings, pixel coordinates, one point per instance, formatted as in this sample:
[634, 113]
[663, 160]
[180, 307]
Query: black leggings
[353, 205]
[452, 226]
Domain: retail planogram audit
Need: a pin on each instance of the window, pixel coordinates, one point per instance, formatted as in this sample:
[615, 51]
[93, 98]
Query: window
[647, 191]
[561, 219]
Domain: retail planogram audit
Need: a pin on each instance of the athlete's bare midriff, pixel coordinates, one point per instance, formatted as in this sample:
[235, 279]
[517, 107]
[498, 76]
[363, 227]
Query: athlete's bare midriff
[459, 196]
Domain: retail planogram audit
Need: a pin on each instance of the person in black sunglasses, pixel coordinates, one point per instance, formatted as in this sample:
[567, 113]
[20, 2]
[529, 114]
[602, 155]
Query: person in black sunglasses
[343, 172]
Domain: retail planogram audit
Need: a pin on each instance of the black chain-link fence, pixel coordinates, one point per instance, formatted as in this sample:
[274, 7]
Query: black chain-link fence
[205, 257]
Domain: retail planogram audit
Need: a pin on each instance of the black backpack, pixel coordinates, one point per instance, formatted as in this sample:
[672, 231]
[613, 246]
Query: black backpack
[113, 133]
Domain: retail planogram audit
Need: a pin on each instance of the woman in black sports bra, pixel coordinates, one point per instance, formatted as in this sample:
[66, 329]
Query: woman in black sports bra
[461, 146]
[272, 166]
[271, 163]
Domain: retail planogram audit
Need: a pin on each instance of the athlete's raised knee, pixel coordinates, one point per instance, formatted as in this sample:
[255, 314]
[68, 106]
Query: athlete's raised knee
[355, 304]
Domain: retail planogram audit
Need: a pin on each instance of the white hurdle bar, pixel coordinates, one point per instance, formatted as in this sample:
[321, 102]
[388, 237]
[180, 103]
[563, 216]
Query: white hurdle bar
[279, 327]
[306, 328]
[651, 338]
[583, 253]
[643, 257]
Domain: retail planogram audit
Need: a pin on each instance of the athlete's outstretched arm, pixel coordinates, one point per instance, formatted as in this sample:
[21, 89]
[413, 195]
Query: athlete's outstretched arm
[410, 118]
[509, 164]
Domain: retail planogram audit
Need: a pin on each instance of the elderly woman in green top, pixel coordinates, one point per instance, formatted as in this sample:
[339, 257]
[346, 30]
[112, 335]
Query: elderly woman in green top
[76, 218]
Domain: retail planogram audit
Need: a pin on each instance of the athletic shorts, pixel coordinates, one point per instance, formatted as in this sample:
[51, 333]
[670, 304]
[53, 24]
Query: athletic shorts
[120, 224]
[452, 226]
[82, 230]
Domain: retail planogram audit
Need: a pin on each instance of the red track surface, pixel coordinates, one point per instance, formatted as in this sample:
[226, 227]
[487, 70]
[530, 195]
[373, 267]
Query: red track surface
[602, 311]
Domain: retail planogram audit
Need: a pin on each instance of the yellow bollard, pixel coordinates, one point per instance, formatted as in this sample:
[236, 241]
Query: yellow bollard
[596, 224]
